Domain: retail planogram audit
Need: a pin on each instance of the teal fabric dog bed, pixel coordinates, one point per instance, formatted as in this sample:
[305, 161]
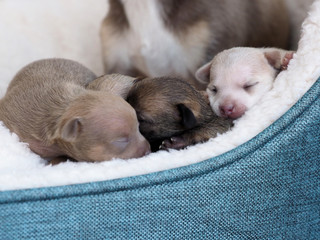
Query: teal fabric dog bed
[267, 188]
[244, 184]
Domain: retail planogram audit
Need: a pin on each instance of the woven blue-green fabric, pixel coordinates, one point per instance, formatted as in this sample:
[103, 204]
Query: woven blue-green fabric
[268, 188]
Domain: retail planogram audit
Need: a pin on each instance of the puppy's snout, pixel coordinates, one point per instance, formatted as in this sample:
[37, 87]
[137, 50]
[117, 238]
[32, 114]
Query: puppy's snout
[144, 149]
[226, 110]
[232, 110]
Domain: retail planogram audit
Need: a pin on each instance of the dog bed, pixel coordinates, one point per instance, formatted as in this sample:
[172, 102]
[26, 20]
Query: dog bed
[258, 181]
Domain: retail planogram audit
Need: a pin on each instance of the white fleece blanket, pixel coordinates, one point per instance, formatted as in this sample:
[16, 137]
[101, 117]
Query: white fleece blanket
[36, 29]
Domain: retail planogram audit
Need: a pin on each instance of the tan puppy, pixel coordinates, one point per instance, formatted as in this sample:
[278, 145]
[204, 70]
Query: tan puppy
[175, 37]
[237, 78]
[48, 107]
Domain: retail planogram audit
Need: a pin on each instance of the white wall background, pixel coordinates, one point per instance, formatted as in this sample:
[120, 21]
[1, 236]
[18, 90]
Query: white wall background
[36, 29]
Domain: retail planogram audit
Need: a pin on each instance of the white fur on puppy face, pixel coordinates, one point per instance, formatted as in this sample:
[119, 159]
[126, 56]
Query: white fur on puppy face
[239, 77]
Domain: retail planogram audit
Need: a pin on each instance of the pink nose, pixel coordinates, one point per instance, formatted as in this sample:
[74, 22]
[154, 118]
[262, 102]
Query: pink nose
[227, 110]
[232, 110]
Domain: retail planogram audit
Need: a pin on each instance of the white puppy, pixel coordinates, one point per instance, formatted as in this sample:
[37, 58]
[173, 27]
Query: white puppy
[238, 77]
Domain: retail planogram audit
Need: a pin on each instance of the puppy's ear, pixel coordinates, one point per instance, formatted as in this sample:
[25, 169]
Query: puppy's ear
[203, 73]
[188, 120]
[279, 59]
[71, 129]
[115, 83]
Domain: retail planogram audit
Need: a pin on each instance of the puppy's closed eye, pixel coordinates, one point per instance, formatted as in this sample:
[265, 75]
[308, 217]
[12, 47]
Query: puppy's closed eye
[248, 86]
[121, 143]
[213, 89]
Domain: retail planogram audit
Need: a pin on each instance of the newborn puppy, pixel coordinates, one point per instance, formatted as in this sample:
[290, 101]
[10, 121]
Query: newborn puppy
[172, 114]
[48, 106]
[187, 33]
[237, 78]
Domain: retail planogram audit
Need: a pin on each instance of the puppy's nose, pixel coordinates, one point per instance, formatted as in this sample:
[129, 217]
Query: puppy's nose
[226, 110]
[144, 149]
[232, 110]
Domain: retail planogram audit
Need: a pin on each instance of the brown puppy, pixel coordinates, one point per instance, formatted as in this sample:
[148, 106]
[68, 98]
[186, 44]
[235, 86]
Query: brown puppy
[173, 114]
[175, 37]
[48, 107]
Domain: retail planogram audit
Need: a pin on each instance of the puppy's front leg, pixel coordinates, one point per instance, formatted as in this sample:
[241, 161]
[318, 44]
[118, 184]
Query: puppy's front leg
[58, 160]
[197, 135]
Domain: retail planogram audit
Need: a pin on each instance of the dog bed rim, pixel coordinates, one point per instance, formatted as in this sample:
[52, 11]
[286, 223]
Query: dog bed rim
[170, 175]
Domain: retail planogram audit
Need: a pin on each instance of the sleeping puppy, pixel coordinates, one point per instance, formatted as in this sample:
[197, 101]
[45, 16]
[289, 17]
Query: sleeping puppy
[175, 37]
[172, 114]
[237, 78]
[48, 106]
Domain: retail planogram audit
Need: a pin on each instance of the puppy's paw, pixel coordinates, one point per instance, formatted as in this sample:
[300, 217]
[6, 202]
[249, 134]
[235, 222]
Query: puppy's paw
[57, 160]
[173, 143]
[286, 60]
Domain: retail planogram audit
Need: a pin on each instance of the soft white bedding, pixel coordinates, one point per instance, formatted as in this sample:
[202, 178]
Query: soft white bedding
[35, 29]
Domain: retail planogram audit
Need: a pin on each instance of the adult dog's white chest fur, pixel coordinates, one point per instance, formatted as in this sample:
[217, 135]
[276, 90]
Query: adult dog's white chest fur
[149, 46]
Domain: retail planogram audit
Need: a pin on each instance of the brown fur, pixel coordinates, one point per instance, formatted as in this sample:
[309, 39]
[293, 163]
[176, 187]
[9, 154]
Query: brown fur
[48, 106]
[169, 107]
[203, 28]
[118, 16]
[253, 23]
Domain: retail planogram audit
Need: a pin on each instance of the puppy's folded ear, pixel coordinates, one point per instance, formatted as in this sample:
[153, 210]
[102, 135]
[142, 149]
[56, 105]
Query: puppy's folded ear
[278, 58]
[188, 120]
[71, 129]
[115, 83]
[203, 73]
